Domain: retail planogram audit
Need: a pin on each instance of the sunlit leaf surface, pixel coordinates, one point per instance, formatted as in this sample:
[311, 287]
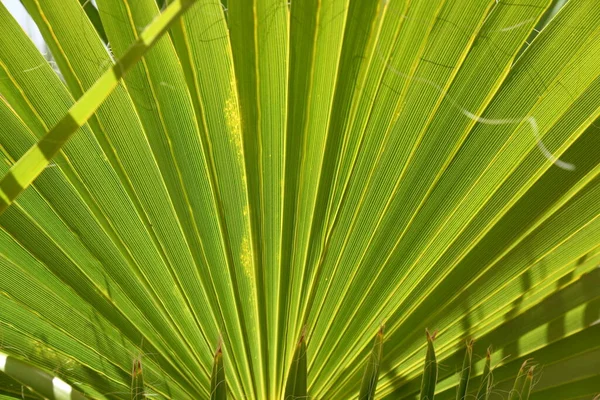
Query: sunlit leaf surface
[275, 170]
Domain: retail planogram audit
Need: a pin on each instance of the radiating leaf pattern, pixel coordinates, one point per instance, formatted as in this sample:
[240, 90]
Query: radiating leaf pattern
[275, 170]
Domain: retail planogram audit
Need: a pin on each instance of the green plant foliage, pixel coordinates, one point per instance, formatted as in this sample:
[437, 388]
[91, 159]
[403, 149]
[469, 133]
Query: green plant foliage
[528, 384]
[39, 381]
[368, 385]
[272, 170]
[517, 390]
[295, 388]
[137, 380]
[38, 157]
[218, 385]
[485, 387]
[430, 370]
[465, 372]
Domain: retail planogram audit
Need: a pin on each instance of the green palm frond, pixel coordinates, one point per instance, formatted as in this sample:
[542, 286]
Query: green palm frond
[282, 178]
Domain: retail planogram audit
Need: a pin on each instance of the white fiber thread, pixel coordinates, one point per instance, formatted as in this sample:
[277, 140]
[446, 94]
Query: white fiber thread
[492, 121]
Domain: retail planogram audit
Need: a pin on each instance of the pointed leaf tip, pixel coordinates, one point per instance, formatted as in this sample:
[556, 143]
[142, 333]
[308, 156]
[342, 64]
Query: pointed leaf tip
[302, 335]
[485, 387]
[431, 336]
[515, 393]
[430, 369]
[218, 385]
[296, 387]
[219, 349]
[528, 384]
[371, 371]
[137, 380]
[465, 372]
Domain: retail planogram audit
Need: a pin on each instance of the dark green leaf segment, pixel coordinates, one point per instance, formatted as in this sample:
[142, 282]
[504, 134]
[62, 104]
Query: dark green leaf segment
[371, 374]
[465, 372]
[296, 387]
[137, 380]
[430, 370]
[485, 387]
[218, 386]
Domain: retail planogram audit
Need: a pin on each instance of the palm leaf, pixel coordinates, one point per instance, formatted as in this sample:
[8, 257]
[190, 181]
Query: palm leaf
[322, 165]
[368, 385]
